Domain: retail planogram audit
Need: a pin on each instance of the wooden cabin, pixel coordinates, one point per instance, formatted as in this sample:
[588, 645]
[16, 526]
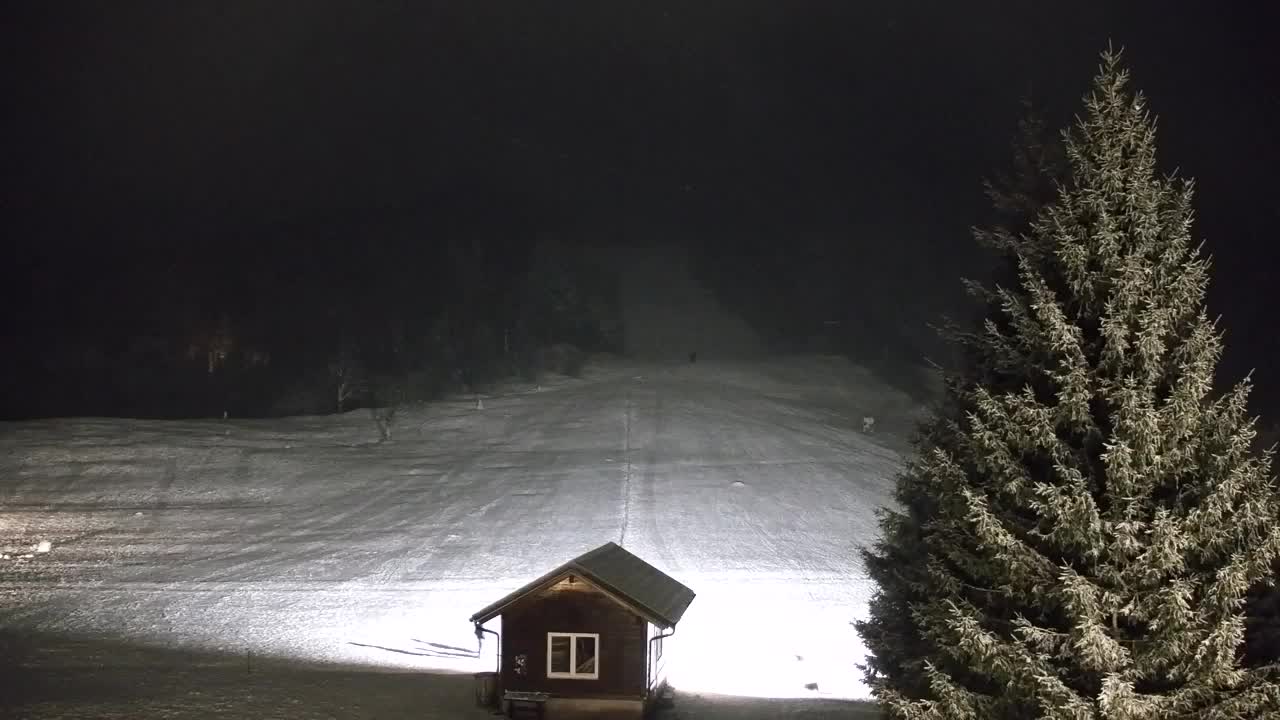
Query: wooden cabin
[588, 639]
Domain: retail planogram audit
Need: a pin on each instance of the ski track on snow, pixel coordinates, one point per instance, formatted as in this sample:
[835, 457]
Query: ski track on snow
[303, 538]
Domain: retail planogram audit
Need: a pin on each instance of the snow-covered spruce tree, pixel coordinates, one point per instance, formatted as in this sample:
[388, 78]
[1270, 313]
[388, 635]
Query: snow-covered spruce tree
[896, 564]
[1090, 515]
[1039, 166]
[1262, 627]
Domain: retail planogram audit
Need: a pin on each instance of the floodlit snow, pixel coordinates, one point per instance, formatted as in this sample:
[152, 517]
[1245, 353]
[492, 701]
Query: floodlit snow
[303, 540]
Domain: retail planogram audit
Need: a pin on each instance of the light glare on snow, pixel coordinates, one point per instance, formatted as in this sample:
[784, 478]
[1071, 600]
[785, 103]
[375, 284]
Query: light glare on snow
[304, 539]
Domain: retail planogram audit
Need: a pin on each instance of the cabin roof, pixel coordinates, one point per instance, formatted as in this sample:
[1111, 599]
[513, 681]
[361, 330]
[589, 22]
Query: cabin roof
[660, 598]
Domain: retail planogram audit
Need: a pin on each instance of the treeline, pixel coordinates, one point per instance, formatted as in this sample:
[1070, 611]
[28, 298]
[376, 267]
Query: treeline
[269, 327]
[868, 294]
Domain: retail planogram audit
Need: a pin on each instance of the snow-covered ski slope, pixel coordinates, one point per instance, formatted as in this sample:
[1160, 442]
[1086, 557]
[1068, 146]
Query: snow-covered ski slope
[243, 543]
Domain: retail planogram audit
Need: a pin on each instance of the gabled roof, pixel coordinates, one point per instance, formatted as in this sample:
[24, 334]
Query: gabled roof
[653, 594]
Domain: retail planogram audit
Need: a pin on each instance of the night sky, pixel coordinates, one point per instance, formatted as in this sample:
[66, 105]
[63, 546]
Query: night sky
[221, 142]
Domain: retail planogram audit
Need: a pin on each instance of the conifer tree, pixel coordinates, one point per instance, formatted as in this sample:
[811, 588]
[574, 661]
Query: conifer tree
[896, 565]
[1018, 194]
[1085, 517]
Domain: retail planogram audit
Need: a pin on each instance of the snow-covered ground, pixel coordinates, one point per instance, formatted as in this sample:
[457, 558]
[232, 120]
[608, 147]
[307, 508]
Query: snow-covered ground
[297, 568]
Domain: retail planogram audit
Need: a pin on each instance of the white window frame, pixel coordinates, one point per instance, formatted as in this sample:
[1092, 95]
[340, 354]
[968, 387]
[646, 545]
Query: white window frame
[573, 656]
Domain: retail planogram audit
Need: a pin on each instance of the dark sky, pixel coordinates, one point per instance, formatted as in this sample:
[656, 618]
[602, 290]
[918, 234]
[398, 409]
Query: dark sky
[242, 112]
[136, 129]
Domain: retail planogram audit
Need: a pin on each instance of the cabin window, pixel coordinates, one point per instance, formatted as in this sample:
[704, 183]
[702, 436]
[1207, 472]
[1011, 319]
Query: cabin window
[573, 655]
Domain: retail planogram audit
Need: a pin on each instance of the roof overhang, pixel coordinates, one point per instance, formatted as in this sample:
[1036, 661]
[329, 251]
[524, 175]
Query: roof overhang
[556, 576]
[616, 573]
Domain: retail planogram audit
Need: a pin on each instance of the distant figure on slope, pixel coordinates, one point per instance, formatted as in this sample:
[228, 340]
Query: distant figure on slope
[693, 356]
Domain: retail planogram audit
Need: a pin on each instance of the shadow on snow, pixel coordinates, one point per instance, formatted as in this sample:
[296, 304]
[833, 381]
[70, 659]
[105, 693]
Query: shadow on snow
[65, 677]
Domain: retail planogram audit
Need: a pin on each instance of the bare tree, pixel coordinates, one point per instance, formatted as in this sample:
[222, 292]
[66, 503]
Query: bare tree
[348, 374]
[388, 396]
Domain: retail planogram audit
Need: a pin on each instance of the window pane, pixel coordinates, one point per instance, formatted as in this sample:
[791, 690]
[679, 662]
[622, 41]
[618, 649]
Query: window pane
[586, 655]
[560, 654]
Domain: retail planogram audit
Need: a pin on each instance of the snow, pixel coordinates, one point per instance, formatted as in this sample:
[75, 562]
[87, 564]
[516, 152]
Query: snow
[299, 568]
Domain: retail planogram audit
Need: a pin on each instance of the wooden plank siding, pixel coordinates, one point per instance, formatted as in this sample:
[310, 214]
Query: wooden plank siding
[573, 605]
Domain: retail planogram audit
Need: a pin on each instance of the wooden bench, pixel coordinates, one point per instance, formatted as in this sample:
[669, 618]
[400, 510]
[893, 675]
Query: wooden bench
[525, 704]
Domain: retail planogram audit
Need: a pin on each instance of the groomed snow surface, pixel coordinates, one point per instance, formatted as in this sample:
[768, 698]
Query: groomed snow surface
[297, 568]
